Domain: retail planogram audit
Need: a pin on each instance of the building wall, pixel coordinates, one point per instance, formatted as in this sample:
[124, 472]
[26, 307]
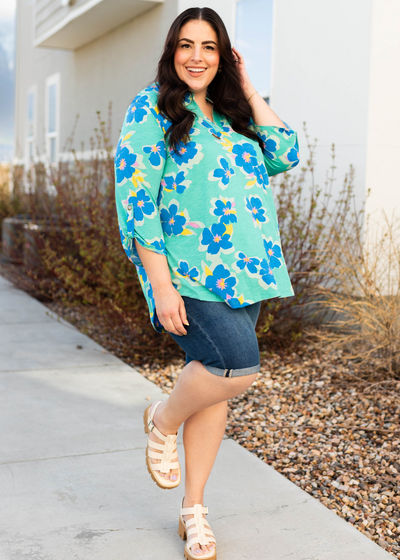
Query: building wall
[384, 110]
[33, 66]
[321, 75]
[332, 68]
[112, 68]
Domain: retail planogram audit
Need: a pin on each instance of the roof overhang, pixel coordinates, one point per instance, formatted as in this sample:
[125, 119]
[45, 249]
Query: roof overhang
[90, 20]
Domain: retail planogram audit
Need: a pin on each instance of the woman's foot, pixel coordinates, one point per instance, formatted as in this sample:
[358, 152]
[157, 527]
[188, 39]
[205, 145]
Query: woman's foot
[173, 474]
[197, 549]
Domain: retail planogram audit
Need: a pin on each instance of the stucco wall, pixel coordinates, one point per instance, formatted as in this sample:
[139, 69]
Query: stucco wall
[113, 68]
[384, 110]
[321, 76]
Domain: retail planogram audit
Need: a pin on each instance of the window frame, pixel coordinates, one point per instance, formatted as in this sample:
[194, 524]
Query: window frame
[31, 139]
[54, 79]
[265, 94]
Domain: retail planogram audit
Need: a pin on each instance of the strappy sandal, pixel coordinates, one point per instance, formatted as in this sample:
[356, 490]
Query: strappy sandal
[196, 526]
[169, 455]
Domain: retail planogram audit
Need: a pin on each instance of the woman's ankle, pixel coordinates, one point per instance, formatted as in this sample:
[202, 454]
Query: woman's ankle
[191, 499]
[159, 420]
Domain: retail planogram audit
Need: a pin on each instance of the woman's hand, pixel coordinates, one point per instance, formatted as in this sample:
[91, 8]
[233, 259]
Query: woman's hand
[170, 309]
[247, 86]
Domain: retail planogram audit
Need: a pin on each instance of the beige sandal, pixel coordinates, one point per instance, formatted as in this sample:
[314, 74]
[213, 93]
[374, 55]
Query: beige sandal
[196, 526]
[169, 455]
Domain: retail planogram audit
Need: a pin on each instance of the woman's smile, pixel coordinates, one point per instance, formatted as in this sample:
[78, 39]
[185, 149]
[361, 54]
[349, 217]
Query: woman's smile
[195, 71]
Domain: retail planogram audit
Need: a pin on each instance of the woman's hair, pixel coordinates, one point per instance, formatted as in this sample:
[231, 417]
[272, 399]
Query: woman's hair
[225, 90]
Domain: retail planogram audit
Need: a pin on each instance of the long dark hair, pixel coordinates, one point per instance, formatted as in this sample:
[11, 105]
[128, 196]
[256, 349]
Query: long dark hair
[225, 90]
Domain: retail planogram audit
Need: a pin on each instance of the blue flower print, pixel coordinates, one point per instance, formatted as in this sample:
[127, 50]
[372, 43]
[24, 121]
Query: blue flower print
[225, 209]
[247, 262]
[162, 121]
[254, 206]
[274, 253]
[159, 245]
[137, 109]
[183, 270]
[216, 238]
[171, 183]
[185, 152]
[286, 131]
[127, 246]
[293, 156]
[142, 274]
[225, 173]
[172, 223]
[270, 145]
[157, 153]
[246, 156]
[124, 162]
[266, 273]
[210, 127]
[142, 204]
[221, 282]
[261, 174]
[152, 87]
[225, 128]
[235, 302]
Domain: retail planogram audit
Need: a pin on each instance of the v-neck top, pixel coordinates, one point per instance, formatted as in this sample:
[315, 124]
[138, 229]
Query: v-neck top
[208, 206]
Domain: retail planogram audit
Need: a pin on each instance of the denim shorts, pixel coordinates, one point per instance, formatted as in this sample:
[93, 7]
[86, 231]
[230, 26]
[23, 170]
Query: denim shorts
[221, 338]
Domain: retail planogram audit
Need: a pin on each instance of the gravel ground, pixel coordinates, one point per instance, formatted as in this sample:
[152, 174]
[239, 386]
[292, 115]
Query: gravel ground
[311, 418]
[308, 415]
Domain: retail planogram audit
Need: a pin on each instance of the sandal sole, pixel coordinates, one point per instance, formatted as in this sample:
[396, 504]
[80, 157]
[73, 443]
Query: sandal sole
[148, 462]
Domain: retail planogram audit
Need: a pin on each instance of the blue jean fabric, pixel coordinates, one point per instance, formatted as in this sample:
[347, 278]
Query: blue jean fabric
[221, 338]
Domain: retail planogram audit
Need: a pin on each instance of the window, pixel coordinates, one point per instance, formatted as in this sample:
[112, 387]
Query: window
[52, 117]
[30, 125]
[253, 38]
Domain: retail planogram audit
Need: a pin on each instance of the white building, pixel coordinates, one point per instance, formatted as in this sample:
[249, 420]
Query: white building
[333, 65]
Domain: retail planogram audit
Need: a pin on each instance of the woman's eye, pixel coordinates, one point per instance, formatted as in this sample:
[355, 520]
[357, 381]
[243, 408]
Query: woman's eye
[210, 48]
[185, 45]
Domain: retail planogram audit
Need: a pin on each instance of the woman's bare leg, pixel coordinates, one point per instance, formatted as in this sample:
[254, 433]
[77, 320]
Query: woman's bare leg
[198, 399]
[202, 436]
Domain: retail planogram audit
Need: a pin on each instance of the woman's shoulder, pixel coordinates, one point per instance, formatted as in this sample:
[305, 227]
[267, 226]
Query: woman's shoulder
[143, 108]
[147, 97]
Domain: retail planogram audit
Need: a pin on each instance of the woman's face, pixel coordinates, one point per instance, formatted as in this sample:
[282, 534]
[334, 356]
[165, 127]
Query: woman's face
[197, 55]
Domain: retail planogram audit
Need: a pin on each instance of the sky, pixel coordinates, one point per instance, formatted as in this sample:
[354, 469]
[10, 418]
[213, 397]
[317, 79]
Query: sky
[7, 43]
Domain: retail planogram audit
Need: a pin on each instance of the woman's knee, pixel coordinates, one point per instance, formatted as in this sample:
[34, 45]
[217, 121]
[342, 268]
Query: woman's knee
[243, 382]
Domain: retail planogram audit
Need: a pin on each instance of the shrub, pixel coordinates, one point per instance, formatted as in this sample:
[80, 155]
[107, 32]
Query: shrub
[82, 259]
[83, 263]
[364, 302]
[303, 209]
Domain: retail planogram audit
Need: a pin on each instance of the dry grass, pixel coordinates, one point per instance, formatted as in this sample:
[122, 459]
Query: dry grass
[4, 178]
[364, 302]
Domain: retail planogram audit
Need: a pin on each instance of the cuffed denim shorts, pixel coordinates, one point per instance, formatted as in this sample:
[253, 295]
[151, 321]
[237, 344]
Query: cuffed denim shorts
[221, 338]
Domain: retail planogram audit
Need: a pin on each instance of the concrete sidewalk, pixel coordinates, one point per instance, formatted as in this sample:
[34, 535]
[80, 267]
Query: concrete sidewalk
[73, 480]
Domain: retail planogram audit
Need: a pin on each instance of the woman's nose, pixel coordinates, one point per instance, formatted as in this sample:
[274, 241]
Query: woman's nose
[196, 55]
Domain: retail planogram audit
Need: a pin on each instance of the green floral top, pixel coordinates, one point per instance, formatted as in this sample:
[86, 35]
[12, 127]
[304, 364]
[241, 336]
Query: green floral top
[208, 206]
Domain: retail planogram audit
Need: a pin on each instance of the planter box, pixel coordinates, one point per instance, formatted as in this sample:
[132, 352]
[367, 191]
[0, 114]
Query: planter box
[13, 238]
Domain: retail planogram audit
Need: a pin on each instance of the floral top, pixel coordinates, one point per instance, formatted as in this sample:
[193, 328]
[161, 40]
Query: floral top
[207, 207]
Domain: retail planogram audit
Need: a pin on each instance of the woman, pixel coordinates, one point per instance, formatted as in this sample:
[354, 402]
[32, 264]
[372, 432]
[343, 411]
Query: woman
[197, 218]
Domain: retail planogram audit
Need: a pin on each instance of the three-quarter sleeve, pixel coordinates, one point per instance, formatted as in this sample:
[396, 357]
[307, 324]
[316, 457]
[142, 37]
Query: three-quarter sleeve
[139, 166]
[281, 149]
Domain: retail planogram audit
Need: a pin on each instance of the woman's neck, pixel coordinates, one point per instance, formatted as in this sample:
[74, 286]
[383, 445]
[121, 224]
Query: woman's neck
[200, 97]
[205, 107]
